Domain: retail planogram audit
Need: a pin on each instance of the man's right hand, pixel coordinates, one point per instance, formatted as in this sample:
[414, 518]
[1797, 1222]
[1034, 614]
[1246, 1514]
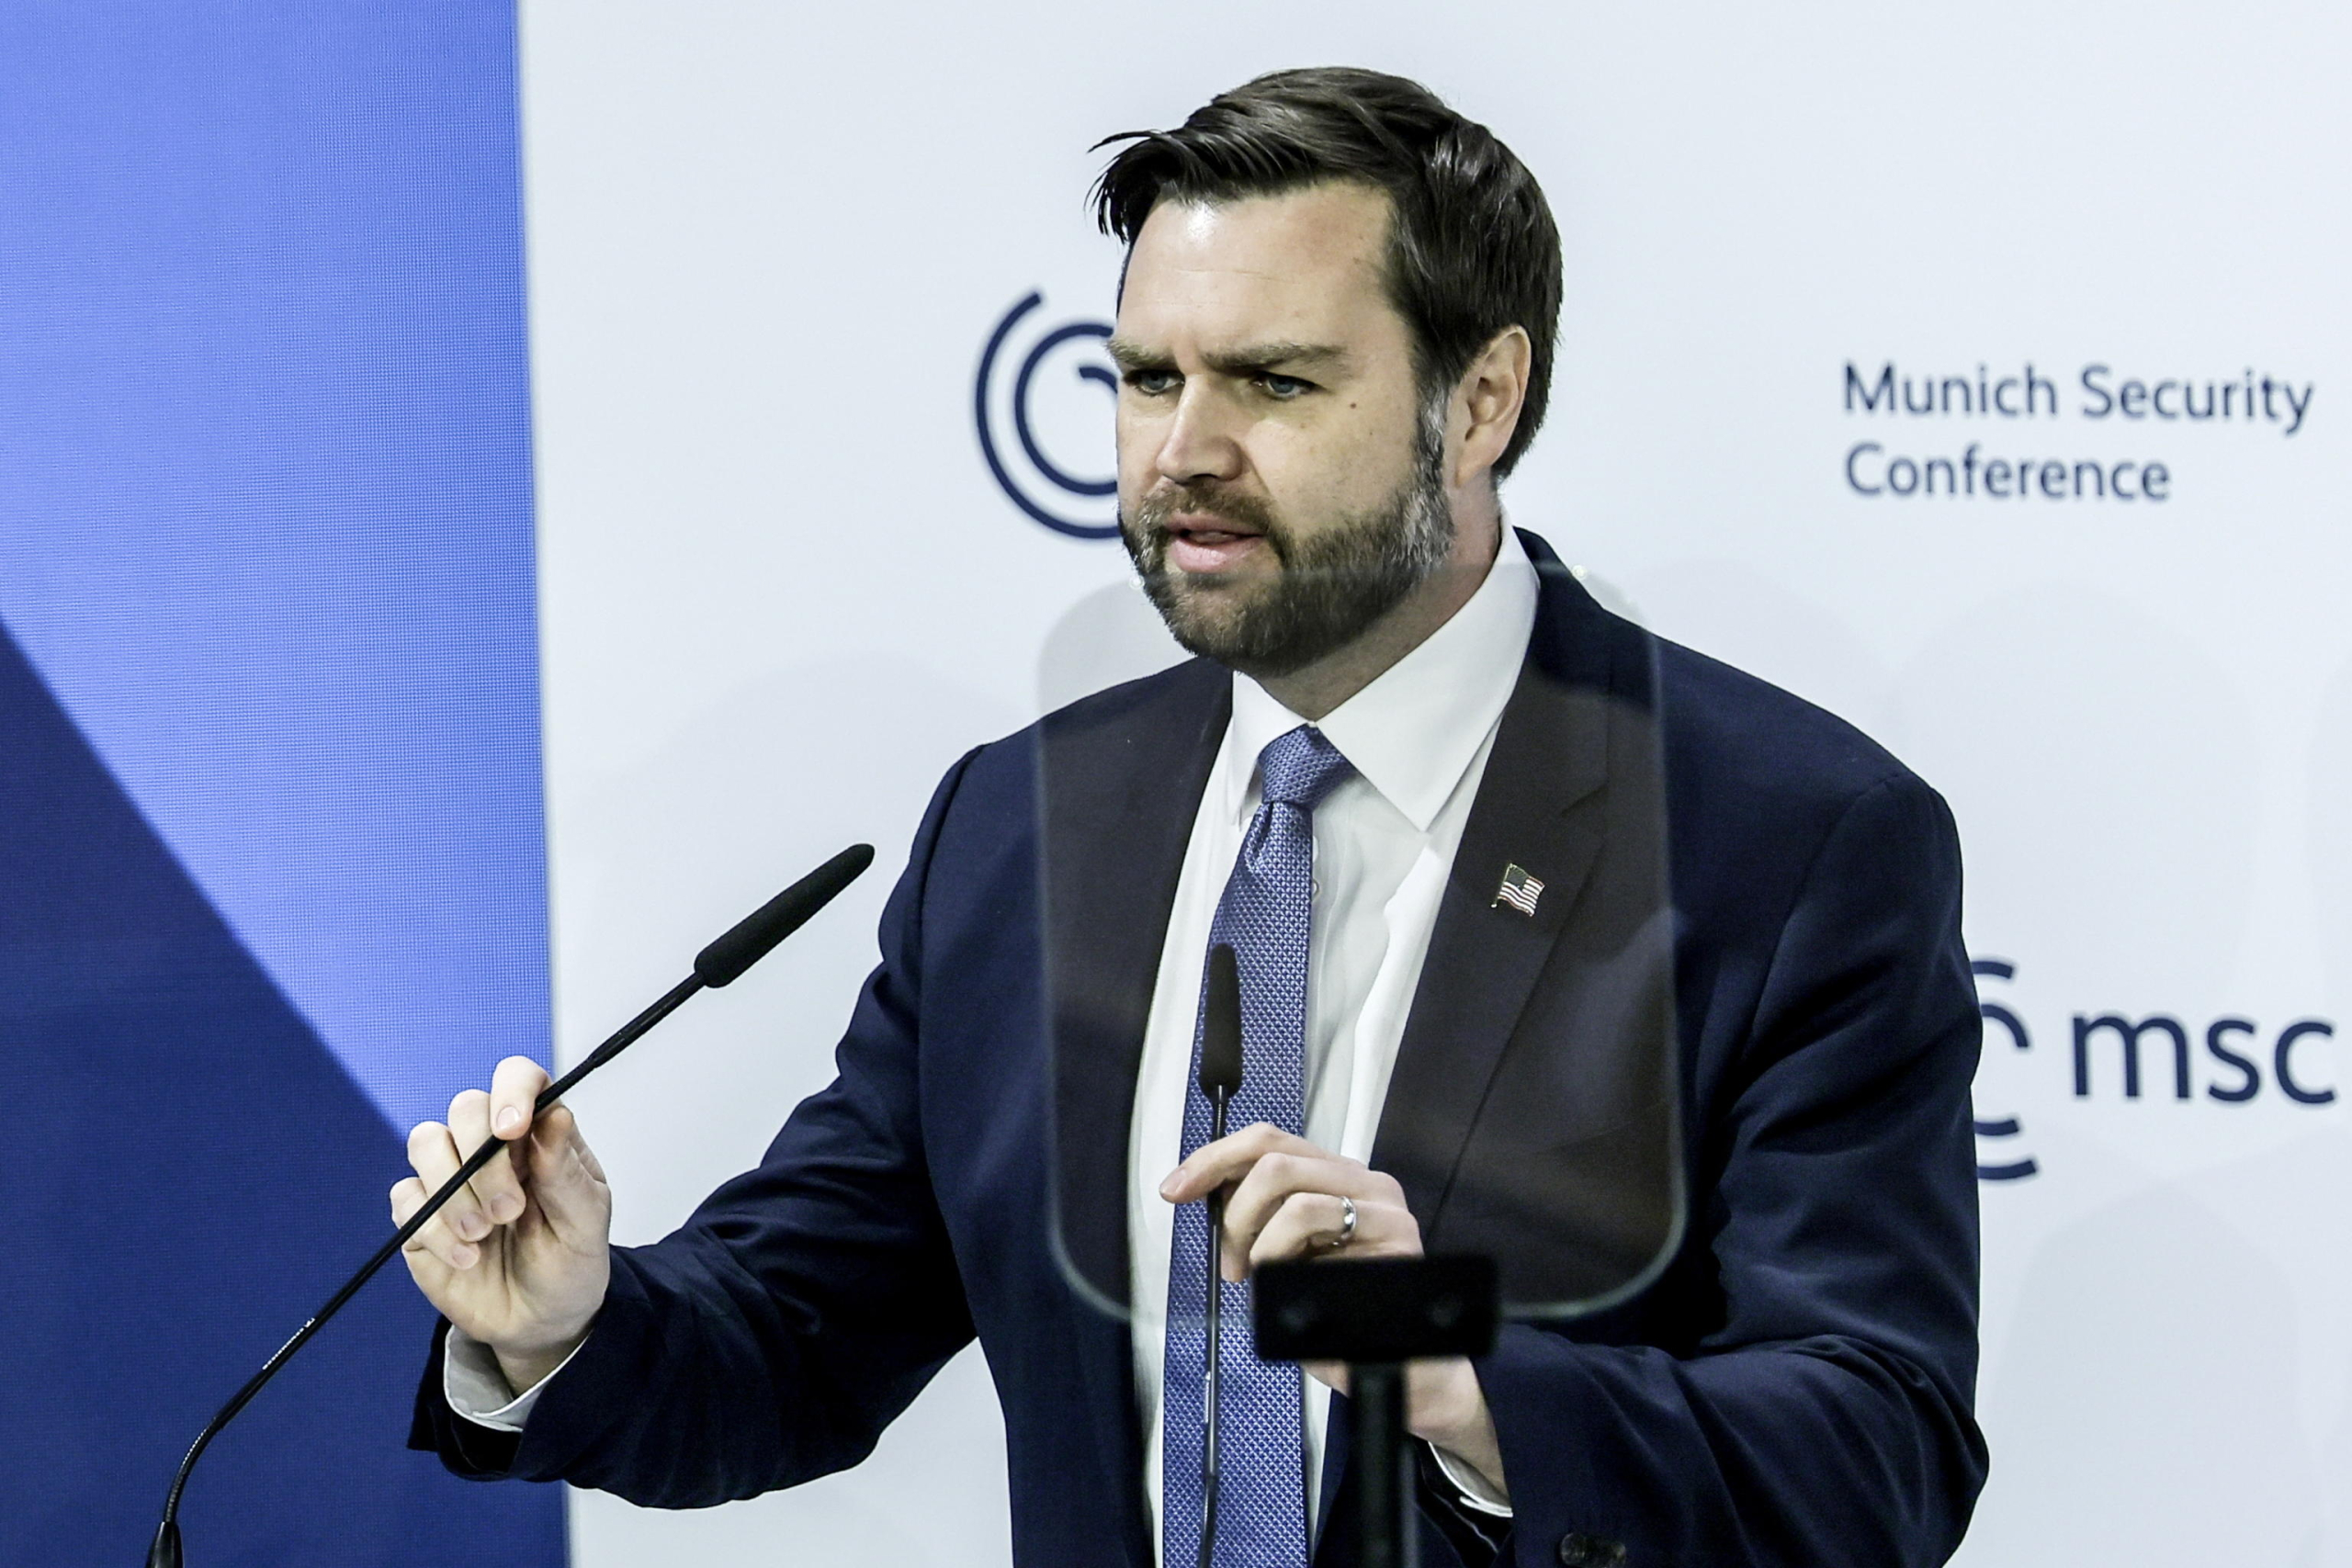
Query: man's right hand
[518, 1259]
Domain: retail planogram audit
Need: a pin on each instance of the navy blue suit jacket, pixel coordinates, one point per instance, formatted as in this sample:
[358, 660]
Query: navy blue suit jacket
[1792, 1386]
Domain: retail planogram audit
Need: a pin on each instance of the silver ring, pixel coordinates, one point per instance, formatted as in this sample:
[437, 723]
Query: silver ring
[1347, 1223]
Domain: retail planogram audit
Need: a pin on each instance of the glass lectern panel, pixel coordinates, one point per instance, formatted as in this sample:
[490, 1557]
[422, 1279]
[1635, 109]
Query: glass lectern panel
[1530, 1114]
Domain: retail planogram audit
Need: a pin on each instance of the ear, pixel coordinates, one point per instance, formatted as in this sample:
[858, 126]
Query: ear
[1487, 402]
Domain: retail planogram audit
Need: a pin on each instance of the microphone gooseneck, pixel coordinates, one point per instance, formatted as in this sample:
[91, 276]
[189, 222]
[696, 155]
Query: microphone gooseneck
[723, 962]
[1220, 1081]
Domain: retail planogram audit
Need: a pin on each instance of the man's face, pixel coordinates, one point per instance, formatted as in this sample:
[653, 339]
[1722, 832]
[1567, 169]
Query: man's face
[1279, 488]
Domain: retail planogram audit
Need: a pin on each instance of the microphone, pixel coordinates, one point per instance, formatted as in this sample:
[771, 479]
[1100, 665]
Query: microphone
[1221, 1031]
[720, 963]
[1220, 1081]
[756, 935]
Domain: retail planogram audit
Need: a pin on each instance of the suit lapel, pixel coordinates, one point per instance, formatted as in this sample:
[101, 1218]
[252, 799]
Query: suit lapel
[1537, 812]
[1120, 783]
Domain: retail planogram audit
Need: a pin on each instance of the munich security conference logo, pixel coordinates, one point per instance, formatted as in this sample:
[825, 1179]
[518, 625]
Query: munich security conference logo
[2227, 1064]
[1047, 387]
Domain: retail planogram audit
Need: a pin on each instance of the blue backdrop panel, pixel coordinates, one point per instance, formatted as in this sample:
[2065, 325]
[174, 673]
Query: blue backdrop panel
[269, 771]
[189, 1175]
[265, 486]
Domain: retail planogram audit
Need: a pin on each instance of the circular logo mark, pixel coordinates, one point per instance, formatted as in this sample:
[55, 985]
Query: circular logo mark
[2002, 1126]
[1051, 404]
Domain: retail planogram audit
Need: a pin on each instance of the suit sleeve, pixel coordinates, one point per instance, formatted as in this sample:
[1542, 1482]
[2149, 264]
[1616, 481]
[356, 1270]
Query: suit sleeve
[1826, 1420]
[799, 1309]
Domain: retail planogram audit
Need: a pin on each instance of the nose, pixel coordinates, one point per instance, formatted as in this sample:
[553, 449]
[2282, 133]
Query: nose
[1198, 444]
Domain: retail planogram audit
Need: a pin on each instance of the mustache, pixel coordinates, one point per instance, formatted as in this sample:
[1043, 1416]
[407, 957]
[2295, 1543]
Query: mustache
[1208, 501]
[1146, 532]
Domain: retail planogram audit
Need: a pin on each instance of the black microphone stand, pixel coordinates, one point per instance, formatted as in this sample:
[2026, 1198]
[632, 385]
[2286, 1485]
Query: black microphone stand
[1220, 1081]
[722, 961]
[1211, 1476]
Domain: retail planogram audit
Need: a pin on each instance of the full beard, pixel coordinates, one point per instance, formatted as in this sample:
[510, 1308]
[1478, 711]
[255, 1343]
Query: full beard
[1332, 586]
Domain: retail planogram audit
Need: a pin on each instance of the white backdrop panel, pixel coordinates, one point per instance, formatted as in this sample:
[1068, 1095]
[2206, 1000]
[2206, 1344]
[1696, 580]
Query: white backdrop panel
[782, 593]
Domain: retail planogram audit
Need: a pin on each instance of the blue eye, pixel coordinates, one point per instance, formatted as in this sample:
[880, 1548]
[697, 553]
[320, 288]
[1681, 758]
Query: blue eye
[1283, 387]
[1153, 383]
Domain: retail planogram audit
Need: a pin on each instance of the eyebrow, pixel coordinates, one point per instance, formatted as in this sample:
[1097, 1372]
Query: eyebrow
[1256, 357]
[1132, 357]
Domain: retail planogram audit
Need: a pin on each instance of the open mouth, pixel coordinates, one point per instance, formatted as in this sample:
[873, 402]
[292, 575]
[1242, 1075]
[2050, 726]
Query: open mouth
[1199, 542]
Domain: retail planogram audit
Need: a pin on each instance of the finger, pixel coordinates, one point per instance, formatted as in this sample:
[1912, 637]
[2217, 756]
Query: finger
[514, 1091]
[432, 1154]
[450, 1235]
[568, 1187]
[1306, 1224]
[587, 1155]
[1315, 1224]
[1275, 1177]
[1228, 1159]
[496, 1188]
[408, 1196]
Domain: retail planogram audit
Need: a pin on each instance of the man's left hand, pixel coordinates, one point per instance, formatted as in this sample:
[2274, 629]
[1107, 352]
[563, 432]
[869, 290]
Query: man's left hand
[1282, 1200]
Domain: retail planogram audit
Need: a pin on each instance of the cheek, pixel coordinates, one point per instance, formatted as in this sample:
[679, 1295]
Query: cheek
[1340, 468]
[1137, 438]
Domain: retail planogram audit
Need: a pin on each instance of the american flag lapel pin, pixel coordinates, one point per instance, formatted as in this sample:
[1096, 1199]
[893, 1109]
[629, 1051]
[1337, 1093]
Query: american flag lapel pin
[1520, 889]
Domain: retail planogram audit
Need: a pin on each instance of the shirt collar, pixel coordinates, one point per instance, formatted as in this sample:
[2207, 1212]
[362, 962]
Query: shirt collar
[1413, 732]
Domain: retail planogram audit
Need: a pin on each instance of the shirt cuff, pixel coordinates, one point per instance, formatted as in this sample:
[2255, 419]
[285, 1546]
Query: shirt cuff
[1475, 1493]
[478, 1390]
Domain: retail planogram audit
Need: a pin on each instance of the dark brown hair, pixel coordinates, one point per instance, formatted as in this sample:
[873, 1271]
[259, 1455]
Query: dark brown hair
[1472, 247]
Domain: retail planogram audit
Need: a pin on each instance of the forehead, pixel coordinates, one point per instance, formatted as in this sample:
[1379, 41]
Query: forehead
[1305, 265]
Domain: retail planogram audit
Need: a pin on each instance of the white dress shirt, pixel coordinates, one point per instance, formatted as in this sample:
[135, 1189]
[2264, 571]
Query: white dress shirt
[1384, 839]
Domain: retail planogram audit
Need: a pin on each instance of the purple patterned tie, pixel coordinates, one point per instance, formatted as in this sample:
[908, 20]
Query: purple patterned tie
[1265, 917]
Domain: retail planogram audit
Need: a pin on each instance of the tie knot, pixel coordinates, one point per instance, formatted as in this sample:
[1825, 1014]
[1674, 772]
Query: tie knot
[1300, 768]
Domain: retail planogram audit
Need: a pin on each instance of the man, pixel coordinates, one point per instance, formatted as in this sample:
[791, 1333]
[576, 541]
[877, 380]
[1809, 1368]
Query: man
[1334, 335]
